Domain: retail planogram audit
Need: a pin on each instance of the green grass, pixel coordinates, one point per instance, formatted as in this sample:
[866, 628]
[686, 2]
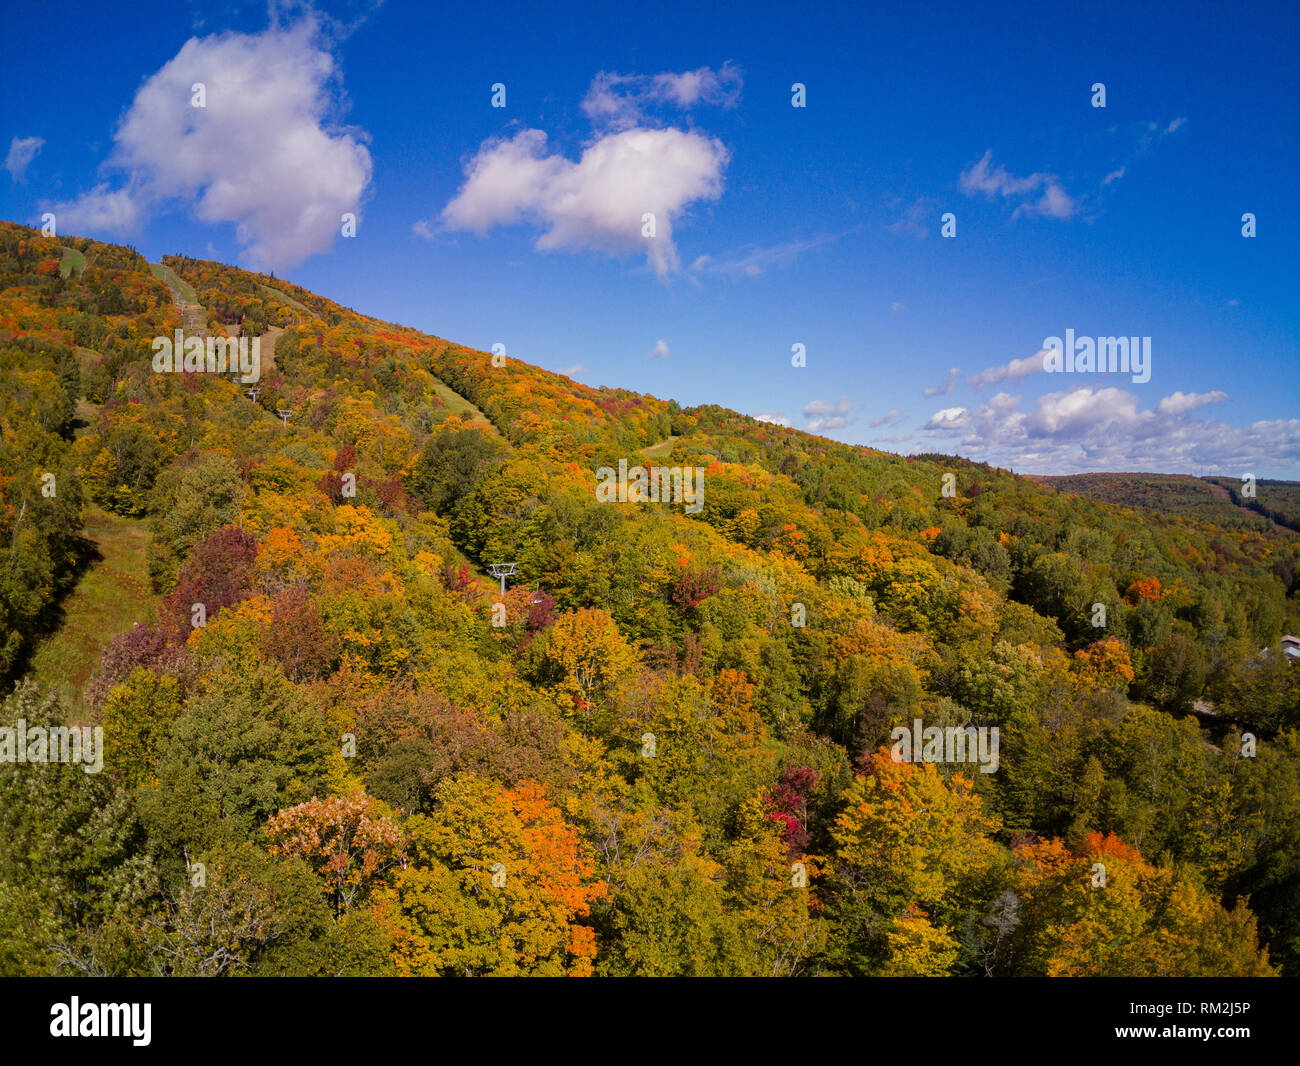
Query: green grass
[174, 281]
[112, 594]
[658, 451]
[72, 260]
[456, 404]
[86, 413]
[284, 297]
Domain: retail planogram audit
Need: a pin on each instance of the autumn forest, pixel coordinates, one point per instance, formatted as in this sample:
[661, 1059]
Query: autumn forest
[331, 745]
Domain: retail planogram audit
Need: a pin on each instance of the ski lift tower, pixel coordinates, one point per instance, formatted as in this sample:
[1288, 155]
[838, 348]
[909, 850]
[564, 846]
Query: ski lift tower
[503, 571]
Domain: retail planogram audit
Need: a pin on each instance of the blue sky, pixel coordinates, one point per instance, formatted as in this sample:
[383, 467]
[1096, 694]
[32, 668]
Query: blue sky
[775, 225]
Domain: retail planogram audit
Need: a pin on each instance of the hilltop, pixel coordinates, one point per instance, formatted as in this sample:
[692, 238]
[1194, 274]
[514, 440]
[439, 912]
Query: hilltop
[666, 749]
[1217, 500]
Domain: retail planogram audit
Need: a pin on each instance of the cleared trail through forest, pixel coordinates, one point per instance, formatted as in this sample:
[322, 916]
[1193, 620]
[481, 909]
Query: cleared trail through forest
[1227, 497]
[111, 595]
[194, 319]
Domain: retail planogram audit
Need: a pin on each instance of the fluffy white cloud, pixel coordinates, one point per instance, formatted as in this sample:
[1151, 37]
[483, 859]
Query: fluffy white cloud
[1181, 402]
[1017, 368]
[260, 155]
[629, 170]
[948, 419]
[774, 418]
[993, 181]
[821, 414]
[1054, 203]
[885, 419]
[946, 388]
[102, 209]
[621, 100]
[598, 202]
[815, 425]
[660, 350]
[1087, 429]
[1073, 414]
[22, 150]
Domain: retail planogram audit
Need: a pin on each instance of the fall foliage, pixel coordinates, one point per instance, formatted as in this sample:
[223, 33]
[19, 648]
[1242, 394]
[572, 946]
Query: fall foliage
[664, 750]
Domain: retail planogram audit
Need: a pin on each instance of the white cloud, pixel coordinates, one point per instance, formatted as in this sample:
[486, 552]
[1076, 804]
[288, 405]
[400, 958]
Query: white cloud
[824, 407]
[569, 371]
[598, 202]
[774, 418]
[948, 419]
[1181, 402]
[1074, 413]
[1150, 133]
[885, 419]
[754, 260]
[22, 150]
[1054, 203]
[260, 155]
[620, 100]
[1017, 368]
[102, 209]
[1145, 134]
[1085, 429]
[995, 181]
[984, 177]
[821, 414]
[914, 222]
[946, 388]
[660, 350]
[815, 425]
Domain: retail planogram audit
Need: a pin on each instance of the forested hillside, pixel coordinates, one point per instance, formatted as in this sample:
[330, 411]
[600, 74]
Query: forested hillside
[666, 750]
[1233, 503]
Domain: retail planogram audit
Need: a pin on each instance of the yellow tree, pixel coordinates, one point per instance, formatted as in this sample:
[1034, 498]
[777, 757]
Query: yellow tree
[1104, 664]
[136, 718]
[1102, 910]
[589, 658]
[909, 849]
[497, 883]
